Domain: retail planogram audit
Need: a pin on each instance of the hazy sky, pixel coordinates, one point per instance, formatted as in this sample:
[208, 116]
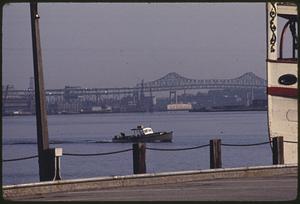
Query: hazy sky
[117, 45]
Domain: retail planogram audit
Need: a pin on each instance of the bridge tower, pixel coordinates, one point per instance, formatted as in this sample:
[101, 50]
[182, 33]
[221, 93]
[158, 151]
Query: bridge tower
[141, 103]
[173, 96]
[151, 101]
[30, 95]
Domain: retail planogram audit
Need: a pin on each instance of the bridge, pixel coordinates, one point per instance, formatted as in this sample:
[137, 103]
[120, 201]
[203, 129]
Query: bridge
[171, 83]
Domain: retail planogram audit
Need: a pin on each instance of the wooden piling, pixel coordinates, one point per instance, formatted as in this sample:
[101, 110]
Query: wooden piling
[278, 156]
[48, 162]
[215, 154]
[139, 158]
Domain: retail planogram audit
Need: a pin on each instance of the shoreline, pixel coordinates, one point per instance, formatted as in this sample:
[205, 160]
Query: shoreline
[193, 110]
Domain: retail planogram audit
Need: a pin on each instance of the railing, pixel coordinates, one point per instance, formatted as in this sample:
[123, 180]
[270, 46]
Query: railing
[139, 152]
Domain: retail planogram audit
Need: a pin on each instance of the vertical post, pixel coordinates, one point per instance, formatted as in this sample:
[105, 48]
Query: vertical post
[215, 154]
[139, 157]
[46, 159]
[278, 156]
[57, 155]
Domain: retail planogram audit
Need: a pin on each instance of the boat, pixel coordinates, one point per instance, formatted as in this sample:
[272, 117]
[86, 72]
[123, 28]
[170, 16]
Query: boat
[282, 76]
[143, 134]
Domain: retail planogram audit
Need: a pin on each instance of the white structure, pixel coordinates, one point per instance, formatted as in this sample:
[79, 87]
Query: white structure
[179, 106]
[282, 73]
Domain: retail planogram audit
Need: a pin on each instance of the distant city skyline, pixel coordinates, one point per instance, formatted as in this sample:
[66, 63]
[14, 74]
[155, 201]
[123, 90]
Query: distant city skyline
[119, 45]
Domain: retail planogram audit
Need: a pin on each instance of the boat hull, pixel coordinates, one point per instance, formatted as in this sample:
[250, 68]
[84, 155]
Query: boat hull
[282, 73]
[155, 137]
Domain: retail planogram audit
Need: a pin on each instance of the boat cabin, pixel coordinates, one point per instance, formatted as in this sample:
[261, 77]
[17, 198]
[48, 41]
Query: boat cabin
[140, 130]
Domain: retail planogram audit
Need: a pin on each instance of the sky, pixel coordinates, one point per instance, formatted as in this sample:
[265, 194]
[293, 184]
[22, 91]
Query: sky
[106, 45]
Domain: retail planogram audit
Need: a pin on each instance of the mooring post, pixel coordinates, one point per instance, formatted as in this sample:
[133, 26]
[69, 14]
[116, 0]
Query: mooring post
[278, 156]
[46, 157]
[139, 158]
[215, 154]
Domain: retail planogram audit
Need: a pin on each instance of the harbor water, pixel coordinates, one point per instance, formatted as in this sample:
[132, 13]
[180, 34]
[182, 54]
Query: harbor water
[91, 133]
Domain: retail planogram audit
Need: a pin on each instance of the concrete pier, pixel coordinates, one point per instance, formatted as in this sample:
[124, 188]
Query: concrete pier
[272, 183]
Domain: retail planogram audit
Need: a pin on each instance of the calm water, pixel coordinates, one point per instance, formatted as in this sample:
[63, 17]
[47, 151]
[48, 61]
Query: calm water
[79, 133]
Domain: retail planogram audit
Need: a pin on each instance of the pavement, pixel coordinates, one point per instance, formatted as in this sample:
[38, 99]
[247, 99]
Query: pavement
[258, 188]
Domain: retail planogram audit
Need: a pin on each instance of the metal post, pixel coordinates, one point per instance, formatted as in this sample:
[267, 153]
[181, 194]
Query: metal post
[278, 156]
[215, 154]
[57, 154]
[139, 157]
[46, 158]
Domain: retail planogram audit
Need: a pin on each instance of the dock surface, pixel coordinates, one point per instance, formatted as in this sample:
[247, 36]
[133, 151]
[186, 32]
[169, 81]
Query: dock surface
[279, 188]
[255, 184]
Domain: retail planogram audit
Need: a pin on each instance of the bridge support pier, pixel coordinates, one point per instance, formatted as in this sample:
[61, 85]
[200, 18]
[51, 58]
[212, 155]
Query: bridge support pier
[173, 96]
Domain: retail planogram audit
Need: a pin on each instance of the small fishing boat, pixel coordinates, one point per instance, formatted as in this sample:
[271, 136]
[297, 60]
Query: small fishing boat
[144, 134]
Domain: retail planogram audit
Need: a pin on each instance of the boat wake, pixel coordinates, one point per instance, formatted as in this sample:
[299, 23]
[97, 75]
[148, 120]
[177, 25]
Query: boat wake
[33, 142]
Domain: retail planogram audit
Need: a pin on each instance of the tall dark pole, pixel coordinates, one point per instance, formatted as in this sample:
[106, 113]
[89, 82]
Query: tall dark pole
[41, 114]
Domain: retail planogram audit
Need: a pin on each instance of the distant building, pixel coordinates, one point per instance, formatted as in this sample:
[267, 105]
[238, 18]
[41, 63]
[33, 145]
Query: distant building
[179, 106]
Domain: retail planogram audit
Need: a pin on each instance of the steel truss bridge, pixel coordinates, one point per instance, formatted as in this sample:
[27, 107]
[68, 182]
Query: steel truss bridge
[174, 81]
[170, 82]
[77, 96]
